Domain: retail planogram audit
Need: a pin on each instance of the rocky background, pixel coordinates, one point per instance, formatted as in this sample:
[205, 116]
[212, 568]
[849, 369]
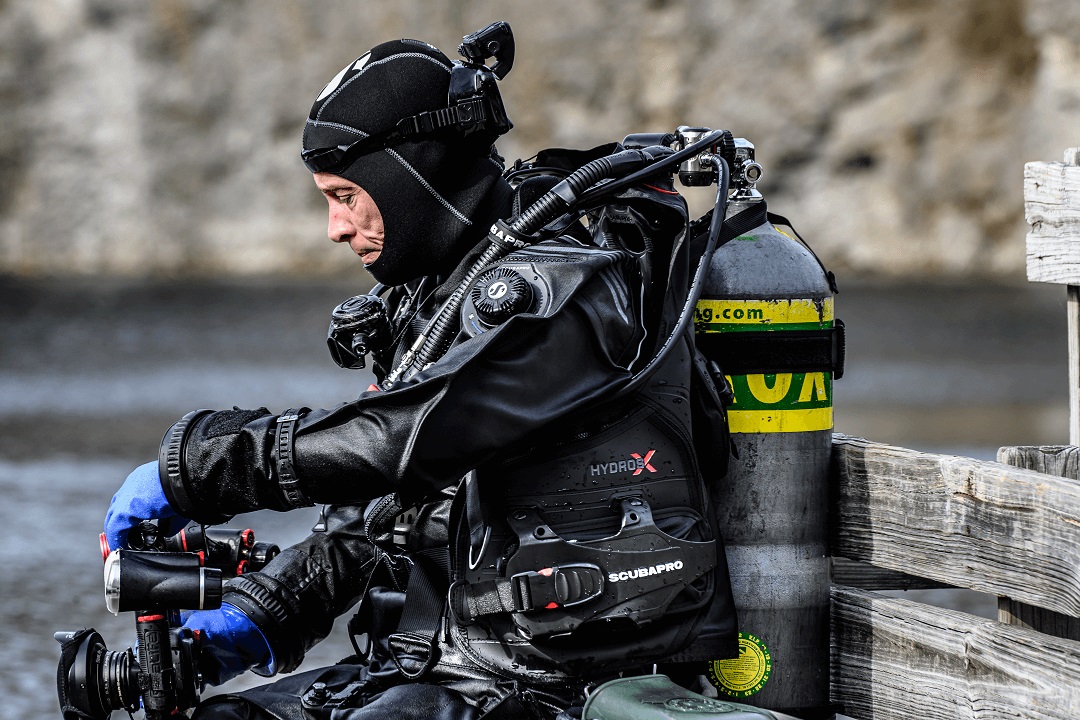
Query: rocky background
[161, 137]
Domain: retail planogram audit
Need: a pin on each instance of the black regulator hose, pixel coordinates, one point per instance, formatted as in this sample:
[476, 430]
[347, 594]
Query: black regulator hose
[521, 231]
[715, 225]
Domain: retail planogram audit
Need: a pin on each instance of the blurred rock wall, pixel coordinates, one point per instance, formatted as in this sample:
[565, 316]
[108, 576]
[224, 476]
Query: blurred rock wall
[162, 136]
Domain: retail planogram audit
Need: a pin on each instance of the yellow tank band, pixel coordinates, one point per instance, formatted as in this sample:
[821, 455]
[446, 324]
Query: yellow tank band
[762, 312]
[778, 421]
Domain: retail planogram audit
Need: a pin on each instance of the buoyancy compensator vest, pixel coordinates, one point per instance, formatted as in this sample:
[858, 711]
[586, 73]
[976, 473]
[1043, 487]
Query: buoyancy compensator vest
[592, 548]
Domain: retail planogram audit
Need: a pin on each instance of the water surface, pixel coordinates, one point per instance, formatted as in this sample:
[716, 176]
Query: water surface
[92, 374]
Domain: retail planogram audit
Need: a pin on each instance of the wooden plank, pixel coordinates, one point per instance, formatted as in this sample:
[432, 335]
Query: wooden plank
[1058, 460]
[869, 577]
[1061, 461]
[1052, 209]
[1046, 621]
[897, 660]
[968, 523]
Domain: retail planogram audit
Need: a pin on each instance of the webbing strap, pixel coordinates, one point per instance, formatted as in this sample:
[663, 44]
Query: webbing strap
[549, 588]
[474, 515]
[777, 351]
[425, 598]
[482, 598]
[469, 112]
[744, 222]
[781, 220]
[426, 591]
[736, 225]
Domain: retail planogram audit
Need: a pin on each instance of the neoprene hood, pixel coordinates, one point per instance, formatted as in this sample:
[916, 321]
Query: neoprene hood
[432, 191]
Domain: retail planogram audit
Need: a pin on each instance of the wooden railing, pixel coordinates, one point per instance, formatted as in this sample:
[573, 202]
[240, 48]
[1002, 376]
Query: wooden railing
[1011, 528]
[962, 523]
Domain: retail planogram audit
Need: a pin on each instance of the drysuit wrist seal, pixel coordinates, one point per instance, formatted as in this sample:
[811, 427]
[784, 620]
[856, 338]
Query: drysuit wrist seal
[172, 475]
[271, 614]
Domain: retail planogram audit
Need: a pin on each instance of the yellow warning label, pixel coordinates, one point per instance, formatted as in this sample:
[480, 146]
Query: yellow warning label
[762, 312]
[745, 675]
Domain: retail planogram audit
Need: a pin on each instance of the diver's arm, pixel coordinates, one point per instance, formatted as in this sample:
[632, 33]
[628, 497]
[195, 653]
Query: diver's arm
[486, 394]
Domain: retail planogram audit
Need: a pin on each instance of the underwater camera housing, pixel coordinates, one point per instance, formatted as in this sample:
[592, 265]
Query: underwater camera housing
[157, 580]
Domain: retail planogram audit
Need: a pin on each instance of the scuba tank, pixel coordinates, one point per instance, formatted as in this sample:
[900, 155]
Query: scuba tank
[766, 318]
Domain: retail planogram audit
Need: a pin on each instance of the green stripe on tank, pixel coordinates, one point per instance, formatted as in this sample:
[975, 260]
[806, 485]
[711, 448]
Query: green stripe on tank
[782, 391]
[747, 327]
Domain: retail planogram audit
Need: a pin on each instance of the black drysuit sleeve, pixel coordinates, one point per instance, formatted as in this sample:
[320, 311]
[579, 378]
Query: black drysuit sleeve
[296, 597]
[486, 394]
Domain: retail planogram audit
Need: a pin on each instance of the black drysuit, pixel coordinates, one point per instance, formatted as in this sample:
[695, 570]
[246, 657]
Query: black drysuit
[498, 393]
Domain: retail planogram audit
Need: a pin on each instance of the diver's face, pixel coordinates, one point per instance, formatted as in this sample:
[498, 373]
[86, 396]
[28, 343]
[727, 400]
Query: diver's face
[354, 217]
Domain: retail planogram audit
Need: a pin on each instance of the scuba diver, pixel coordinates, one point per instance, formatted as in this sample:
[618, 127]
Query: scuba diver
[518, 509]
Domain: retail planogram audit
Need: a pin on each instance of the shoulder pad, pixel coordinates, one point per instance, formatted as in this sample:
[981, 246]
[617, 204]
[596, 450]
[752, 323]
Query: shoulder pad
[537, 280]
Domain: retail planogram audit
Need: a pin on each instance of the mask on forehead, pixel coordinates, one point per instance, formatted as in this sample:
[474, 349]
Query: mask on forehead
[429, 189]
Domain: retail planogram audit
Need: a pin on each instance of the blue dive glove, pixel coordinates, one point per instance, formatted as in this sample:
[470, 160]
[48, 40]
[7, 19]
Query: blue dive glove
[230, 643]
[140, 498]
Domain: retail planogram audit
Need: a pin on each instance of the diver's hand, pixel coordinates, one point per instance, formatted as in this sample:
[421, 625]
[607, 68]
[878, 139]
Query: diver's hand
[229, 644]
[140, 498]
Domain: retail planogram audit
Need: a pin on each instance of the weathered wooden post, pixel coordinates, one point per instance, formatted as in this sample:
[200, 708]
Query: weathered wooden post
[1052, 209]
[970, 524]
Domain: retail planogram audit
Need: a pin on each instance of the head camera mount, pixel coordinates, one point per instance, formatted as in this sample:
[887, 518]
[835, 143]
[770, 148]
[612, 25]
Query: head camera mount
[474, 102]
[494, 41]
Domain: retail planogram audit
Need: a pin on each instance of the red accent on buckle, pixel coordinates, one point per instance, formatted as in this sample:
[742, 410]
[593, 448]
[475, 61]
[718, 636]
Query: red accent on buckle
[546, 572]
[183, 539]
[149, 618]
[202, 558]
[104, 547]
[241, 568]
[373, 388]
[551, 605]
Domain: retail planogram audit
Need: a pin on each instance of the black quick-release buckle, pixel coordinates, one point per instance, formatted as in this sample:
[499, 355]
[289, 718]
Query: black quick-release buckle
[427, 122]
[555, 587]
[471, 112]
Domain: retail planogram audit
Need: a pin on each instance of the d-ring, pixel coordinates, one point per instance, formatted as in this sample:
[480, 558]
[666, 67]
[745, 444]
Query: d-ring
[475, 563]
